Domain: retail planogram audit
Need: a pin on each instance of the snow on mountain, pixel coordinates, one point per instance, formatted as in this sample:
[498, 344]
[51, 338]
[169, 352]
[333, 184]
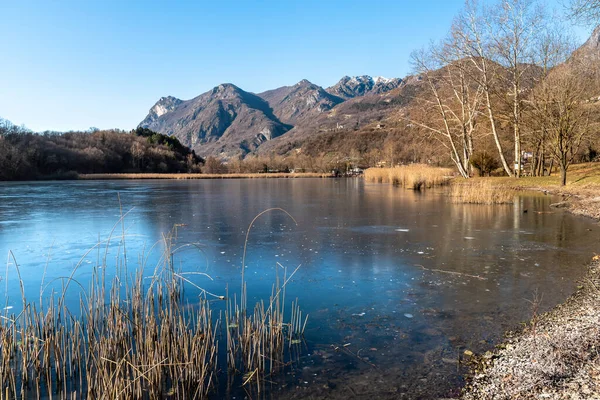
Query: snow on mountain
[350, 87]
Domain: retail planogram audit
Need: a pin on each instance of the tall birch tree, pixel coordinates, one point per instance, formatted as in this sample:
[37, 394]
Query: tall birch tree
[450, 106]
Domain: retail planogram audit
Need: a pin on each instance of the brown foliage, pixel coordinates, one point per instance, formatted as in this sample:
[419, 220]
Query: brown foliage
[28, 155]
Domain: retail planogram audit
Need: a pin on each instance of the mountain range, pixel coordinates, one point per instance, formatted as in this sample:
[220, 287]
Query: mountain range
[225, 120]
[350, 87]
[228, 121]
[358, 114]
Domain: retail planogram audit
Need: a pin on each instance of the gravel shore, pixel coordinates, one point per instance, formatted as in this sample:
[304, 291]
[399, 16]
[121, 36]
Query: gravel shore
[557, 356]
[581, 201]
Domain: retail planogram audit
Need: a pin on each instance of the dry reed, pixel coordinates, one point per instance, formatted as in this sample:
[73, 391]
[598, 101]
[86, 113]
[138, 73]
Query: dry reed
[414, 176]
[256, 343]
[138, 340]
[481, 191]
[126, 341]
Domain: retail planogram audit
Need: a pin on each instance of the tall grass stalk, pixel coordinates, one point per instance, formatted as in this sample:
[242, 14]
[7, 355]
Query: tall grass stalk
[256, 341]
[414, 176]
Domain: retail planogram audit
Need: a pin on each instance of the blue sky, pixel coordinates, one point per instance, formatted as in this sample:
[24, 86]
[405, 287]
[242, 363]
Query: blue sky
[76, 64]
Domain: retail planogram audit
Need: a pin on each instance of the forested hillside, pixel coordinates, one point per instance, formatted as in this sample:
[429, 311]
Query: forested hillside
[28, 155]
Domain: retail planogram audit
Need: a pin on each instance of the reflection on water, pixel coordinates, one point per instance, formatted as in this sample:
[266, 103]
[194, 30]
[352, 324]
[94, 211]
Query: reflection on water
[397, 283]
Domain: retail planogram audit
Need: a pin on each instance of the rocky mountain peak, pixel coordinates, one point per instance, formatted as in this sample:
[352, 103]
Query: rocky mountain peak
[226, 90]
[292, 104]
[353, 86]
[593, 43]
[228, 121]
[162, 106]
[304, 82]
[225, 120]
[382, 79]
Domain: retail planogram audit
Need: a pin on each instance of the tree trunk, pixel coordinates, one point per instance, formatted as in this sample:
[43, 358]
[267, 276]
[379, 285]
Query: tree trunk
[517, 153]
[563, 175]
[516, 121]
[542, 165]
[495, 133]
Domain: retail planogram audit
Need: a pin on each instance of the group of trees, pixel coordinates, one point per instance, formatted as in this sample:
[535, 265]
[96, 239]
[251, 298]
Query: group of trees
[254, 164]
[506, 76]
[28, 155]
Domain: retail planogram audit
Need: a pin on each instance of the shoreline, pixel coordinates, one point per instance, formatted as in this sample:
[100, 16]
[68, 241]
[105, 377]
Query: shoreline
[557, 355]
[584, 202]
[121, 176]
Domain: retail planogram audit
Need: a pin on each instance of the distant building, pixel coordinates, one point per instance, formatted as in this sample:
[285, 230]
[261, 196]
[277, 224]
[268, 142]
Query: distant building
[355, 171]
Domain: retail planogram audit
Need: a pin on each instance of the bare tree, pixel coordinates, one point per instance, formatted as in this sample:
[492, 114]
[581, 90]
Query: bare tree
[554, 45]
[585, 11]
[515, 24]
[559, 102]
[213, 165]
[500, 43]
[451, 106]
[473, 38]
[138, 153]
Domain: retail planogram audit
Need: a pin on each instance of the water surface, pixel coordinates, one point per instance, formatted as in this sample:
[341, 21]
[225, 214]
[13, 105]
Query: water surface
[397, 283]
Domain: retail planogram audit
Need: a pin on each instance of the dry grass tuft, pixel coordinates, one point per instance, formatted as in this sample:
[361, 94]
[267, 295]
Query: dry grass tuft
[256, 343]
[481, 191]
[414, 176]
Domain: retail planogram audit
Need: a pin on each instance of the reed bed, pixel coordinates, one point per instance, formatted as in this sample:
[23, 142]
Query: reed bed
[202, 176]
[263, 343]
[414, 176]
[141, 343]
[481, 191]
[134, 338]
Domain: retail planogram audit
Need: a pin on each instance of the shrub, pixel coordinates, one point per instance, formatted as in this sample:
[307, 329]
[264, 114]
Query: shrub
[484, 163]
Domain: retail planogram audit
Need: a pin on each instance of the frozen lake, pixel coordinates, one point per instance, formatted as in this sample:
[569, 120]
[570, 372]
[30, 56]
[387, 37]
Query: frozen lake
[397, 283]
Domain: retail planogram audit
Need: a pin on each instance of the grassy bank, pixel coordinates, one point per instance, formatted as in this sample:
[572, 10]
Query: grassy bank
[203, 176]
[579, 176]
[414, 176]
[581, 195]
